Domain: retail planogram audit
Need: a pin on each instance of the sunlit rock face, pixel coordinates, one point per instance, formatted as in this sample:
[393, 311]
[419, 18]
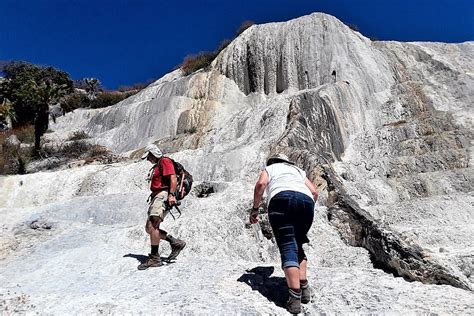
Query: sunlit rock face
[384, 128]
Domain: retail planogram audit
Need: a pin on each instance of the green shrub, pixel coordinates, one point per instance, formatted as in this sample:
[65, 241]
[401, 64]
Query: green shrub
[29, 87]
[75, 101]
[193, 63]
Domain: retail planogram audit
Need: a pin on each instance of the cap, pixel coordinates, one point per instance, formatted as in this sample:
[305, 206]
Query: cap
[279, 158]
[152, 149]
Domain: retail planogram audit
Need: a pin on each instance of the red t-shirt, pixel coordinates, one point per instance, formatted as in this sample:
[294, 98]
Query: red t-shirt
[160, 182]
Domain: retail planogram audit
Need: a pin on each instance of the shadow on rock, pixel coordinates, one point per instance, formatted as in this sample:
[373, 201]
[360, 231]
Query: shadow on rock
[273, 288]
[140, 258]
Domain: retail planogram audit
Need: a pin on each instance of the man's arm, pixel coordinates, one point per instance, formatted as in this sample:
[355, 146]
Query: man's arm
[172, 191]
[168, 173]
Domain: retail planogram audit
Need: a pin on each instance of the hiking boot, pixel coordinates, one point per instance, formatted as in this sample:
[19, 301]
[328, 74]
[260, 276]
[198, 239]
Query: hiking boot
[176, 246]
[152, 261]
[305, 292]
[293, 305]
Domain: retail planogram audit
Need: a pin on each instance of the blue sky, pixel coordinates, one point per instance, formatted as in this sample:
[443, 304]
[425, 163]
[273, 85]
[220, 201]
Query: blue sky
[122, 42]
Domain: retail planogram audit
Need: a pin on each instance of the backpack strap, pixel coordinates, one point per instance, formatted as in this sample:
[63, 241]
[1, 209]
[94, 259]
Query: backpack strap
[179, 189]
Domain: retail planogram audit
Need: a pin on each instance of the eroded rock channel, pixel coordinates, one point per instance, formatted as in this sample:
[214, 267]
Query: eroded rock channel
[388, 250]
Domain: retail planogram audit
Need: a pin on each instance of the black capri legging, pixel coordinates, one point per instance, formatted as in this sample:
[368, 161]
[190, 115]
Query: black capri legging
[291, 216]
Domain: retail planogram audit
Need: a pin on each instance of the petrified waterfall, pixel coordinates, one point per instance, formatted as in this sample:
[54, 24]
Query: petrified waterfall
[383, 128]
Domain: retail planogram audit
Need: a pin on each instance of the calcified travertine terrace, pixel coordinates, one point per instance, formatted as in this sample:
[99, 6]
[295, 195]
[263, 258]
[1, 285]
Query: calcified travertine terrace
[384, 128]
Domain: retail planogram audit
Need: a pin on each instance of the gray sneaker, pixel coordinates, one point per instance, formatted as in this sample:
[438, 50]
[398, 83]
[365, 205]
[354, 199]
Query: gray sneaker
[305, 292]
[176, 246]
[152, 261]
[293, 305]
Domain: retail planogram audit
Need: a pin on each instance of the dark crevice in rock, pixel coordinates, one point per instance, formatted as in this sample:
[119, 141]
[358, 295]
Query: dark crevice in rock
[40, 225]
[204, 189]
[387, 249]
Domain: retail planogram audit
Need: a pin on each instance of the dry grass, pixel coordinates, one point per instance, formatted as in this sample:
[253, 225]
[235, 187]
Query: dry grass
[25, 134]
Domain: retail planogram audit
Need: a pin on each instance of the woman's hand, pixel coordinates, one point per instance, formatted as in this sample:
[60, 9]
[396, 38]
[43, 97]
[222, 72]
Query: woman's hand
[253, 218]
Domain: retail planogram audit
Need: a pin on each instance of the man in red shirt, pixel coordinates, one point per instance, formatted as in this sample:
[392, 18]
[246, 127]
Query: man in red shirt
[163, 185]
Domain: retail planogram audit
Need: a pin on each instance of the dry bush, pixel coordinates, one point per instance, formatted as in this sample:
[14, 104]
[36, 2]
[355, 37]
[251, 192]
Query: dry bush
[97, 150]
[136, 87]
[106, 99]
[223, 45]
[8, 161]
[74, 149]
[193, 63]
[13, 159]
[78, 135]
[353, 27]
[25, 134]
[245, 25]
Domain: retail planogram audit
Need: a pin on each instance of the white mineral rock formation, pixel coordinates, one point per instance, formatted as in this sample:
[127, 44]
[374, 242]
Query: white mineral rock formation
[392, 121]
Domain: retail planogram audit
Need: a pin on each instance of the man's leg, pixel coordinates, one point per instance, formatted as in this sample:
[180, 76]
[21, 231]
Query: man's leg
[157, 234]
[176, 244]
[152, 228]
[155, 222]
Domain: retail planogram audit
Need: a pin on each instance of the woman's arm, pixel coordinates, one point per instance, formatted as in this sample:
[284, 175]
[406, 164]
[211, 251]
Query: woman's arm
[312, 188]
[260, 187]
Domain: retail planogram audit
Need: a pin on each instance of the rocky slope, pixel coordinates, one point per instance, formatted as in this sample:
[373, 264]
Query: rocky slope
[384, 128]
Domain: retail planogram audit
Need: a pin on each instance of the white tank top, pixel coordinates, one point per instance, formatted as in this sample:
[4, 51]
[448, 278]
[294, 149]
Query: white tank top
[285, 177]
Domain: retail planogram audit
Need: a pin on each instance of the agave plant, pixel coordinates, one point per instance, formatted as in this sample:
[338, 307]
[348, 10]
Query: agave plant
[92, 88]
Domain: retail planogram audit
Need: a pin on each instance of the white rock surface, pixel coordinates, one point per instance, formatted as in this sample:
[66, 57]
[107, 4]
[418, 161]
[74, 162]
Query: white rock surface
[396, 119]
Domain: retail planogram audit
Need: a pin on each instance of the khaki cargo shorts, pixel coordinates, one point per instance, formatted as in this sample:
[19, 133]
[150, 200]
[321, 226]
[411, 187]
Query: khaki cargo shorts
[158, 205]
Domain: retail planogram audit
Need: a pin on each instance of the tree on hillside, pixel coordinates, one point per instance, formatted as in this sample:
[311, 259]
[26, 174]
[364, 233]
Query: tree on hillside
[31, 90]
[48, 94]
